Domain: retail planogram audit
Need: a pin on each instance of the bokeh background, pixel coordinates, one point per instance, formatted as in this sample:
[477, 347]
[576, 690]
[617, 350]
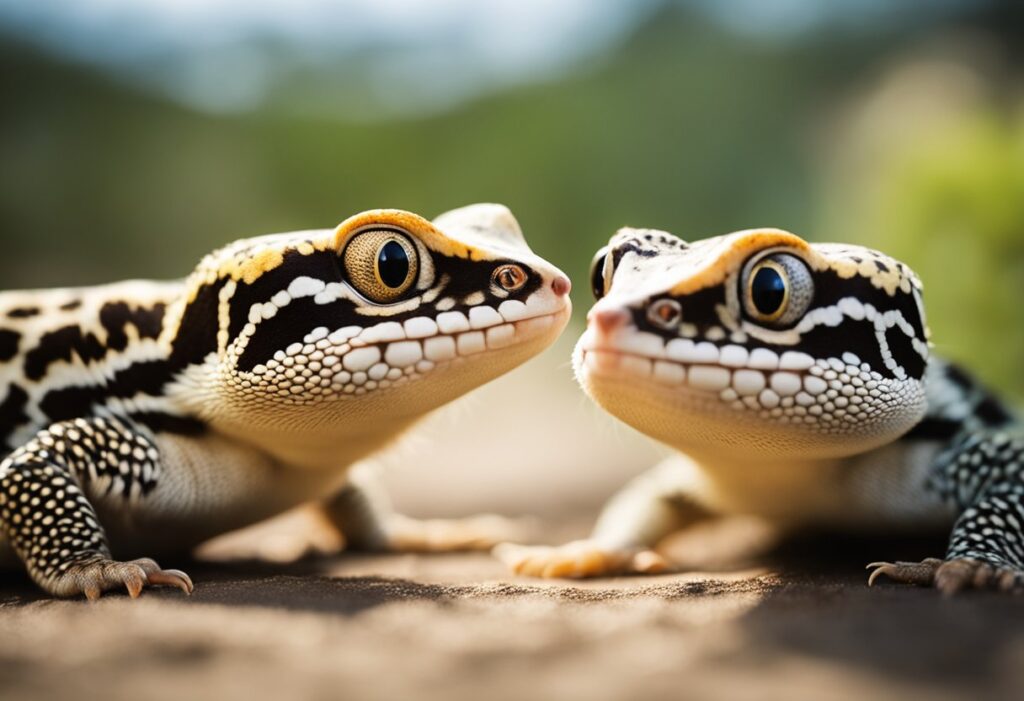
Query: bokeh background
[136, 135]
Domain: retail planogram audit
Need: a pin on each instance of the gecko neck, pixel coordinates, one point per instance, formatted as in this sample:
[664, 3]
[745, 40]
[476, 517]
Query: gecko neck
[317, 451]
[770, 486]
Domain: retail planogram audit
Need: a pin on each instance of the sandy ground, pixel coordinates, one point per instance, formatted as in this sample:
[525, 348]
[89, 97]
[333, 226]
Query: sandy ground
[794, 622]
[455, 627]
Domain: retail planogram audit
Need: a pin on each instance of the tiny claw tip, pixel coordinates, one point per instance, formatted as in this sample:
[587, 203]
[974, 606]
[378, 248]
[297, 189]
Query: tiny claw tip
[875, 575]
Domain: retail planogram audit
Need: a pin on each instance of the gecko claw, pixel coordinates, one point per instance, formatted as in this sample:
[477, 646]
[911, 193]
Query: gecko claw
[950, 576]
[917, 573]
[171, 578]
[101, 574]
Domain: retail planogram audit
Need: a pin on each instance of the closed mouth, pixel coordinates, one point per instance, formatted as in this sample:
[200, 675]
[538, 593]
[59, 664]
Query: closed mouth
[793, 383]
[356, 360]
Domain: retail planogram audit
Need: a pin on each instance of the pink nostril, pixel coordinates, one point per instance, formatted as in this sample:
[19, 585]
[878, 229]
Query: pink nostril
[561, 285]
[607, 320]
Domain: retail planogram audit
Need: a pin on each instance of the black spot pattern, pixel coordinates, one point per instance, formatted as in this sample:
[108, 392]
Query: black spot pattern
[46, 486]
[147, 377]
[162, 422]
[23, 312]
[64, 344]
[71, 342]
[958, 377]
[115, 317]
[934, 429]
[981, 474]
[9, 341]
[992, 413]
[12, 413]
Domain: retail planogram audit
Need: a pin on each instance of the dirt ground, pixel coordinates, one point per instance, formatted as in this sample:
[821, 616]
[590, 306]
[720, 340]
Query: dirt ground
[456, 627]
[795, 622]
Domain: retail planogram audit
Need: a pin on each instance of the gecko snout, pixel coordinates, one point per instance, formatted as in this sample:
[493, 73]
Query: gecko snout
[561, 285]
[608, 320]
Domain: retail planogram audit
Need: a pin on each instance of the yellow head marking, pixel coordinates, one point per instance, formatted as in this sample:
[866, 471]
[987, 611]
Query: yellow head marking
[726, 254]
[432, 237]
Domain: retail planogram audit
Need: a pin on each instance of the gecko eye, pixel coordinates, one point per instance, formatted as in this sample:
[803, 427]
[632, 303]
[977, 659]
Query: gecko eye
[777, 290]
[600, 274]
[509, 277]
[665, 313]
[381, 264]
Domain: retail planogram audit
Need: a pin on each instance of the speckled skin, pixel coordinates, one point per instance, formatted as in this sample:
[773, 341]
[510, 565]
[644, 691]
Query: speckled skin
[142, 418]
[833, 413]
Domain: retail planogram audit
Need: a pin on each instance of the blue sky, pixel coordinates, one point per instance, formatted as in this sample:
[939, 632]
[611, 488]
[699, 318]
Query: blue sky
[224, 55]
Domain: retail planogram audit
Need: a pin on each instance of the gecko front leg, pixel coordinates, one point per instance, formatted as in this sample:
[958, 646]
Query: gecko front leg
[363, 514]
[651, 507]
[47, 516]
[983, 476]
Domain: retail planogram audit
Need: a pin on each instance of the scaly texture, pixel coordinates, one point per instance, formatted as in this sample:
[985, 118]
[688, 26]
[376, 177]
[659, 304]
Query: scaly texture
[796, 381]
[144, 417]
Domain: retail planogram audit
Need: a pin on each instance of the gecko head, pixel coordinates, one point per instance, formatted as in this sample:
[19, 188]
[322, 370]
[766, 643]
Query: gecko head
[755, 343]
[372, 323]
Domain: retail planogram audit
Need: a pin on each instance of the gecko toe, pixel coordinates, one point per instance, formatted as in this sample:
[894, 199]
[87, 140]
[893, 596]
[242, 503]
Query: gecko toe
[171, 578]
[951, 576]
[579, 559]
[919, 573]
[99, 575]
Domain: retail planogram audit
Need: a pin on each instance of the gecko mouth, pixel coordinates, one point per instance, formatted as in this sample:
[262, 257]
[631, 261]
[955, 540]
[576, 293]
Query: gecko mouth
[794, 384]
[356, 360]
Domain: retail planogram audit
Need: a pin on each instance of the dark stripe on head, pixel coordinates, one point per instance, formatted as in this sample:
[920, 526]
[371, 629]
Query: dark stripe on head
[698, 309]
[829, 288]
[197, 332]
[303, 315]
[852, 336]
[633, 247]
[903, 352]
[321, 265]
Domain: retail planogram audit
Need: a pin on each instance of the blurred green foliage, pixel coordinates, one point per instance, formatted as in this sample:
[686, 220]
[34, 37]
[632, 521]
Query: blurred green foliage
[950, 202]
[683, 127]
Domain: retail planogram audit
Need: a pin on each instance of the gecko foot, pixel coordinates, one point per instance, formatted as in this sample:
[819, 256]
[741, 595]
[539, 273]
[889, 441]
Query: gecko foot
[94, 577]
[951, 576]
[578, 559]
[474, 533]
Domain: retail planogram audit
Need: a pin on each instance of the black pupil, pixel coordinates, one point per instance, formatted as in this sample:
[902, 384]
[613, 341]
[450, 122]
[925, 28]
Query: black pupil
[393, 264]
[597, 278]
[768, 290]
